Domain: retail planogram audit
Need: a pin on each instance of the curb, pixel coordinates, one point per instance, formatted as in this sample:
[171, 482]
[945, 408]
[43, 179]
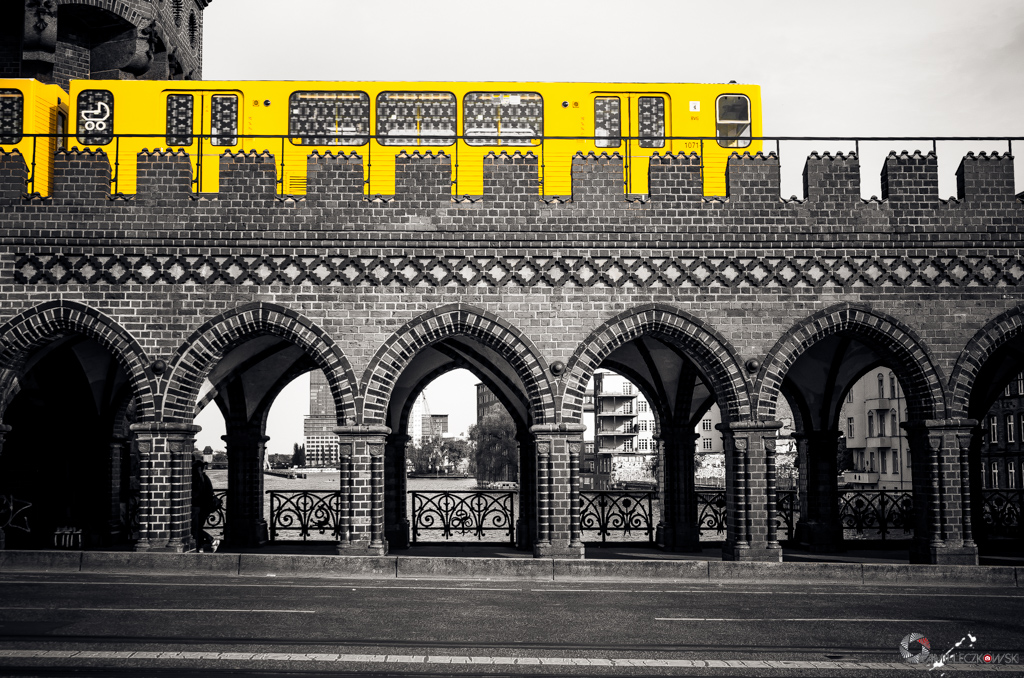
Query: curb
[534, 569]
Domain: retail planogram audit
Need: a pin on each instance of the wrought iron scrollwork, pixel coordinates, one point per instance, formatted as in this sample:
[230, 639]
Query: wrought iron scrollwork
[305, 512]
[711, 511]
[467, 514]
[787, 512]
[215, 521]
[625, 513]
[881, 511]
[1000, 513]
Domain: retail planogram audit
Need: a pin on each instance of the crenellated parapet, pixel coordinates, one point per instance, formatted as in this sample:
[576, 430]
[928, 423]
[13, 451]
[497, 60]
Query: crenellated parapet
[676, 179]
[832, 182]
[423, 180]
[597, 179]
[248, 175]
[13, 176]
[986, 179]
[334, 180]
[163, 175]
[911, 181]
[81, 176]
[753, 178]
[511, 181]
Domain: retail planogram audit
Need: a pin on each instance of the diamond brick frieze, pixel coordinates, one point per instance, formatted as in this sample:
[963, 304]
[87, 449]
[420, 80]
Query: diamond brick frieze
[980, 270]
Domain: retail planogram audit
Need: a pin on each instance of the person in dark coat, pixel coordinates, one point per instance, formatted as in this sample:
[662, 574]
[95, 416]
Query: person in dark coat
[204, 503]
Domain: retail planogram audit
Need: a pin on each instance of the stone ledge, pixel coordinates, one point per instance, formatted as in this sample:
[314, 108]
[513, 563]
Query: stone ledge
[545, 569]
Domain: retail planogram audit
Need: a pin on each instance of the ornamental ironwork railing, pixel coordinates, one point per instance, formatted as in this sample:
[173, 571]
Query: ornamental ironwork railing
[1000, 513]
[787, 512]
[469, 515]
[215, 521]
[711, 512]
[305, 513]
[887, 513]
[620, 513]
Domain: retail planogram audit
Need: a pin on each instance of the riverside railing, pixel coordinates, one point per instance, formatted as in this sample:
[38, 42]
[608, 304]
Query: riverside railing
[624, 514]
[631, 516]
[474, 515]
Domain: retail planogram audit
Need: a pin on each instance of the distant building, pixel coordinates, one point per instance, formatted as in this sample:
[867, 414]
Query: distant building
[617, 456]
[872, 419]
[486, 403]
[710, 450]
[436, 425]
[318, 428]
[1002, 447]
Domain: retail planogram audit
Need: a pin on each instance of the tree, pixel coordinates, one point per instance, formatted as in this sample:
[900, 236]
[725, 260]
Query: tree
[497, 452]
[299, 455]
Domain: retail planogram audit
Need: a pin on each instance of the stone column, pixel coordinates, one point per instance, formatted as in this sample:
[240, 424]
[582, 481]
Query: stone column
[819, 529]
[679, 531]
[396, 504]
[750, 490]
[244, 522]
[361, 466]
[942, 532]
[165, 485]
[559, 447]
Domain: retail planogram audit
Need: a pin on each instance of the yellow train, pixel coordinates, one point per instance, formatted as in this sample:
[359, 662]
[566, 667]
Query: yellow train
[377, 120]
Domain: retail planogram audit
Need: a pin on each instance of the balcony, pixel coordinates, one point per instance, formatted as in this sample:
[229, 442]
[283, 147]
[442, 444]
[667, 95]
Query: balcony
[860, 477]
[877, 404]
[877, 441]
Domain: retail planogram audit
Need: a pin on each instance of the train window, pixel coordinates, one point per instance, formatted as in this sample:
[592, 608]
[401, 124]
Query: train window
[416, 118]
[179, 119]
[224, 120]
[95, 117]
[502, 118]
[329, 118]
[62, 130]
[652, 122]
[733, 117]
[607, 122]
[12, 115]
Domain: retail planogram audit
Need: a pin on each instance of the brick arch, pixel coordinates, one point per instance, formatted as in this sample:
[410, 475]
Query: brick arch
[116, 7]
[919, 375]
[37, 326]
[204, 347]
[451, 321]
[1002, 329]
[713, 355]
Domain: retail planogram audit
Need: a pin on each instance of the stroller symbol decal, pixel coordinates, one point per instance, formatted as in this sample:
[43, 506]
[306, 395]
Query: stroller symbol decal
[96, 119]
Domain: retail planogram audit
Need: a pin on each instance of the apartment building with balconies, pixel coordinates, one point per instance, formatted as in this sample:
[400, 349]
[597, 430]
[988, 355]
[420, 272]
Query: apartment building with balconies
[872, 419]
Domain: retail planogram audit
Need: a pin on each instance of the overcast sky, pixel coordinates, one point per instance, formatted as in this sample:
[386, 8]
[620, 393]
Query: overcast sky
[866, 68]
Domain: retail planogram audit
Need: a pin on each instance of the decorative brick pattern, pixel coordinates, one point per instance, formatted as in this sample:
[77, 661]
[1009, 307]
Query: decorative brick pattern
[209, 342]
[784, 270]
[921, 380]
[21, 335]
[456, 320]
[712, 354]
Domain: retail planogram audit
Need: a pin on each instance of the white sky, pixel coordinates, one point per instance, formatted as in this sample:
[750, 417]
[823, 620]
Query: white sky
[865, 68]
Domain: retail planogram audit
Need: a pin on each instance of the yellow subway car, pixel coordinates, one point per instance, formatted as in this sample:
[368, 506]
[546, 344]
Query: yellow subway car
[378, 120]
[33, 121]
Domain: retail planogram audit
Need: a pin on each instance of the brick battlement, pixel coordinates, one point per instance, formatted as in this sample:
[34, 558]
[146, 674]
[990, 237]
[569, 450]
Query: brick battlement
[247, 212]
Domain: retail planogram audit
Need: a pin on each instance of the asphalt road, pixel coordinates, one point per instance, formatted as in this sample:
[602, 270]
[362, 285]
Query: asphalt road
[80, 624]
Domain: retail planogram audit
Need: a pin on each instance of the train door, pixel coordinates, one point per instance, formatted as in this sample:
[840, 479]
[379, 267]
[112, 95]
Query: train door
[647, 119]
[205, 124]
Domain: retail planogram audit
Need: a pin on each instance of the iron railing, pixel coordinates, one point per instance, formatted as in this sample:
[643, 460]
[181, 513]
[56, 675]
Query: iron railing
[305, 513]
[471, 514]
[624, 514]
[480, 515]
[880, 512]
[1001, 512]
[215, 521]
[250, 142]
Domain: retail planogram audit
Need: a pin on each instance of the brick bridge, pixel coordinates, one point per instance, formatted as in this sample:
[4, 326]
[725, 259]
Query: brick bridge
[117, 308]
